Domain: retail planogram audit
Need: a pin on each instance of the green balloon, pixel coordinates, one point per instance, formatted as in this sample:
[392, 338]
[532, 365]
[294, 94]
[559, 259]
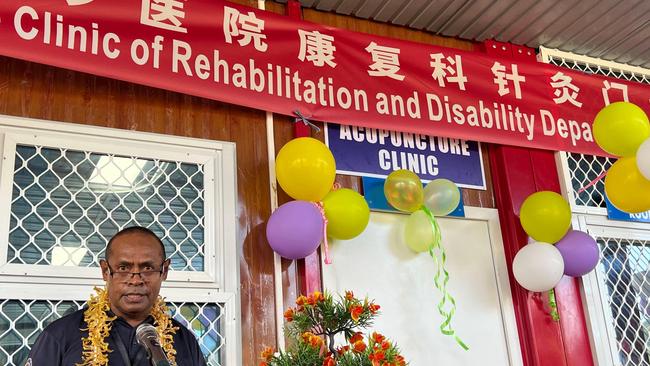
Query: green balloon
[418, 232]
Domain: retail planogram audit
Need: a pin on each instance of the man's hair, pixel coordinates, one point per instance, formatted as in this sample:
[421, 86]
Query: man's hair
[134, 229]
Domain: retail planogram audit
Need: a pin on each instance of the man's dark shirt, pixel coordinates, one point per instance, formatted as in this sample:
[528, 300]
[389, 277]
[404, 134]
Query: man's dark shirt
[60, 344]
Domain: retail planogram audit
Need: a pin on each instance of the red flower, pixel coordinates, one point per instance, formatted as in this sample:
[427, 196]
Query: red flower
[378, 337]
[385, 345]
[359, 347]
[312, 339]
[318, 296]
[373, 308]
[355, 312]
[301, 300]
[315, 298]
[358, 336]
[307, 336]
[349, 295]
[316, 342]
[289, 314]
[376, 358]
[267, 354]
[329, 361]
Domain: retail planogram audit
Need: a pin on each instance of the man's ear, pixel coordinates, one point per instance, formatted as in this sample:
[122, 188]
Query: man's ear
[105, 271]
[165, 268]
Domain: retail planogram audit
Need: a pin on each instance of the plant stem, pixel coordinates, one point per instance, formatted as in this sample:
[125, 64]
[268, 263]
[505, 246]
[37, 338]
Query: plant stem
[331, 343]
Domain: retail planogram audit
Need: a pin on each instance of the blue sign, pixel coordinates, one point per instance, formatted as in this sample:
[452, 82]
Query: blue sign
[371, 152]
[373, 191]
[616, 214]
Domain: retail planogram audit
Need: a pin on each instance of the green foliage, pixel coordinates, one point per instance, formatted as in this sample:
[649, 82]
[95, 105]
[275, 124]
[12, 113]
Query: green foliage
[301, 354]
[321, 315]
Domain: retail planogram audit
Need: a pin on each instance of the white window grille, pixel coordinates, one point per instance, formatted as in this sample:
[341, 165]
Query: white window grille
[21, 321]
[67, 203]
[69, 188]
[617, 293]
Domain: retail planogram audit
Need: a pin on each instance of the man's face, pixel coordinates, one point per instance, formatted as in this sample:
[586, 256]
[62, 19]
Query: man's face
[132, 297]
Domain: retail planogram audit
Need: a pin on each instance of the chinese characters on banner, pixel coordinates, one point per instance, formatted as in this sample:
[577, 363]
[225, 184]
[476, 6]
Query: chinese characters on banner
[232, 53]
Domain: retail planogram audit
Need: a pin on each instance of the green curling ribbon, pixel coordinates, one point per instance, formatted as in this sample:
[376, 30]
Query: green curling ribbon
[551, 302]
[447, 300]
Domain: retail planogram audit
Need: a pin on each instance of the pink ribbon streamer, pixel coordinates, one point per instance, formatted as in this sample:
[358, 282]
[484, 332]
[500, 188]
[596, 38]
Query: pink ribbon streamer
[598, 178]
[328, 260]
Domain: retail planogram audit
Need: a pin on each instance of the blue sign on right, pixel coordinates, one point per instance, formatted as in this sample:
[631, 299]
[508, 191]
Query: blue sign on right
[616, 214]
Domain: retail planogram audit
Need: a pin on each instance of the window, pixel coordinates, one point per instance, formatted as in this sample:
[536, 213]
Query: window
[70, 188]
[66, 204]
[617, 293]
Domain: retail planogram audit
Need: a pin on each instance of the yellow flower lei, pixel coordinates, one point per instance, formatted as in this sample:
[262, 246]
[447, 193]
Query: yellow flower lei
[95, 347]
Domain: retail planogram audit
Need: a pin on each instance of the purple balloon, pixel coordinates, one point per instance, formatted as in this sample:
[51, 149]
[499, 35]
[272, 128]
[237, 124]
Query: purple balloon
[295, 229]
[580, 253]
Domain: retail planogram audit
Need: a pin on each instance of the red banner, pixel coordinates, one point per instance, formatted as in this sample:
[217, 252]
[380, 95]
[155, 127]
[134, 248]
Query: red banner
[218, 50]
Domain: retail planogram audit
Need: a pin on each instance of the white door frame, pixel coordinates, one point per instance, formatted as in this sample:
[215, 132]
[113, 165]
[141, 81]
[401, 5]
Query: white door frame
[491, 217]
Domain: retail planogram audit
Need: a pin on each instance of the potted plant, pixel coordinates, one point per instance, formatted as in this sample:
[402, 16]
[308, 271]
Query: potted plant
[313, 325]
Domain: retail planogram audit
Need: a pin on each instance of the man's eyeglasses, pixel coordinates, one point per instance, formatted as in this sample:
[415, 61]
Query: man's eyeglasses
[125, 274]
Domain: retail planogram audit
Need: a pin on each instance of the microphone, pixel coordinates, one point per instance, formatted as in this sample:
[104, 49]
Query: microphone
[148, 338]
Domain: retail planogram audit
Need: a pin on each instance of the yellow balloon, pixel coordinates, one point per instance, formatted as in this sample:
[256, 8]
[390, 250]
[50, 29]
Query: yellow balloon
[418, 232]
[347, 213]
[620, 128]
[404, 191]
[626, 188]
[545, 216]
[305, 169]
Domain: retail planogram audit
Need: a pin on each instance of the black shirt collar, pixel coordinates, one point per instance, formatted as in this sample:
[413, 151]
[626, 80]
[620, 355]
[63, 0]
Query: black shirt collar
[123, 321]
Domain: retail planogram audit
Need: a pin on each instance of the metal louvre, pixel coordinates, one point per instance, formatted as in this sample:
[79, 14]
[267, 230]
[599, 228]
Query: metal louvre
[609, 29]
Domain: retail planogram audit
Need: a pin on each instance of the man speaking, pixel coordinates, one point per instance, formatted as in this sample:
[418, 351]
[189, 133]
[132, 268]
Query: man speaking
[104, 332]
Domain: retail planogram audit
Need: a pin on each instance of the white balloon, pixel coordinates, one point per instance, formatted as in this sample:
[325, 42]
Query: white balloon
[441, 196]
[538, 266]
[643, 158]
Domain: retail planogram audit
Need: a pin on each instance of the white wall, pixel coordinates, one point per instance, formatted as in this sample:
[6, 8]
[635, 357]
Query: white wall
[379, 265]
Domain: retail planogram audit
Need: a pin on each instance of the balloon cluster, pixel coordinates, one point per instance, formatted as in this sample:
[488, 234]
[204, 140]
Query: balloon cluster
[305, 169]
[404, 191]
[540, 265]
[622, 129]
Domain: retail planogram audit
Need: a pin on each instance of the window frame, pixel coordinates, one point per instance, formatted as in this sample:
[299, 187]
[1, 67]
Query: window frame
[594, 291]
[217, 283]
